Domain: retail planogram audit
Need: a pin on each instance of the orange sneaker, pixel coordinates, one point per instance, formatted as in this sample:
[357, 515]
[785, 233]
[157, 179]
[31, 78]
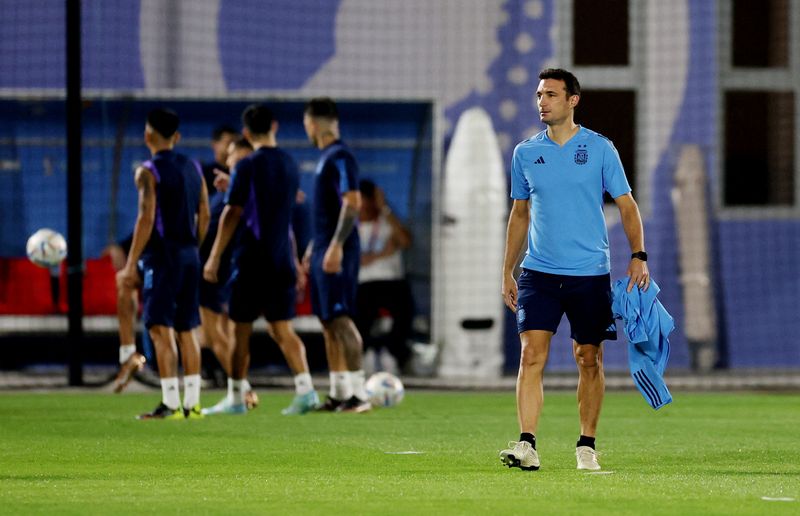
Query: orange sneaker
[134, 364]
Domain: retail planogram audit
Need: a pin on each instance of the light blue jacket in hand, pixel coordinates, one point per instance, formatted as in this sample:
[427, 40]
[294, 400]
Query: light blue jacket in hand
[647, 328]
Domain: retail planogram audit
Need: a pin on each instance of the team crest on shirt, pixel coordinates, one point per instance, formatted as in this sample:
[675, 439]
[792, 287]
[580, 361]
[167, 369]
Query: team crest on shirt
[581, 155]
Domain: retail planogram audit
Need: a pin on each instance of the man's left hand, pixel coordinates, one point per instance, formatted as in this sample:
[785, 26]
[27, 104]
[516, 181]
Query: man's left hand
[638, 274]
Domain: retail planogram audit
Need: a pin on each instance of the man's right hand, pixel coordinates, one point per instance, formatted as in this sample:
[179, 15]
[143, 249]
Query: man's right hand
[210, 270]
[332, 261]
[509, 290]
[221, 180]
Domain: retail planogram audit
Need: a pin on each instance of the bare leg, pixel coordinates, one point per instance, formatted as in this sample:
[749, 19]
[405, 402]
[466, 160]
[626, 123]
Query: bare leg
[344, 332]
[190, 352]
[334, 351]
[167, 355]
[591, 385]
[291, 346]
[239, 391]
[166, 351]
[340, 389]
[217, 337]
[241, 350]
[127, 306]
[530, 391]
[129, 360]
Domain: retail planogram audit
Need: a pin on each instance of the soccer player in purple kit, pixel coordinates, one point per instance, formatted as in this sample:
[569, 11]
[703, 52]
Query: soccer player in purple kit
[333, 257]
[216, 330]
[172, 220]
[262, 195]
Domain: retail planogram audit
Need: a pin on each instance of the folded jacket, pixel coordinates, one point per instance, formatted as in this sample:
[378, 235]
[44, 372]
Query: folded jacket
[647, 328]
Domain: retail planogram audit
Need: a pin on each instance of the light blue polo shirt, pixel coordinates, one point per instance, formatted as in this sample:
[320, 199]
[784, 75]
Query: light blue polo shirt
[565, 186]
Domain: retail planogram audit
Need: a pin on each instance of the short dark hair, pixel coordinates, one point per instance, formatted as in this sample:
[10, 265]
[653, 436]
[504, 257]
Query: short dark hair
[367, 188]
[570, 81]
[242, 143]
[322, 107]
[258, 118]
[218, 131]
[163, 121]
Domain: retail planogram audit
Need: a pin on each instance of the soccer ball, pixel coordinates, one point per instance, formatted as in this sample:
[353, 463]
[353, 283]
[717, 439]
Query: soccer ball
[46, 248]
[384, 389]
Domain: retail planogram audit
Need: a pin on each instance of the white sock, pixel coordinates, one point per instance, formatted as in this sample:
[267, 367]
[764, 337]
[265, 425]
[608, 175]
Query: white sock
[340, 385]
[170, 393]
[236, 391]
[191, 390]
[344, 386]
[229, 394]
[246, 387]
[303, 384]
[333, 390]
[357, 379]
[125, 352]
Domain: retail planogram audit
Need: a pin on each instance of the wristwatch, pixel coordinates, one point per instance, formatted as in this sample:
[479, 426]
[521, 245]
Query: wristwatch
[639, 255]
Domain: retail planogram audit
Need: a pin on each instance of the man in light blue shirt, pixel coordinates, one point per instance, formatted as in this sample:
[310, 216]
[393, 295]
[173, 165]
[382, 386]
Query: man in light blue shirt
[558, 179]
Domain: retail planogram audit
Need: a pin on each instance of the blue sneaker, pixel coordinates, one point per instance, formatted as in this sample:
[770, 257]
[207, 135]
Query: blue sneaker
[225, 406]
[302, 404]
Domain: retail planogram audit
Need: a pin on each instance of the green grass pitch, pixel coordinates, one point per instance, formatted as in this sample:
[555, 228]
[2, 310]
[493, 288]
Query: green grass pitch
[704, 454]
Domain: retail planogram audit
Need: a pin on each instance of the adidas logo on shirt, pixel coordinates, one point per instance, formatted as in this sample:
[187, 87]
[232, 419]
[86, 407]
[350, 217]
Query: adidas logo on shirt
[539, 161]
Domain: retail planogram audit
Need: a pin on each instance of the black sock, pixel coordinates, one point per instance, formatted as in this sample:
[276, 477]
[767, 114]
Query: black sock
[586, 441]
[529, 438]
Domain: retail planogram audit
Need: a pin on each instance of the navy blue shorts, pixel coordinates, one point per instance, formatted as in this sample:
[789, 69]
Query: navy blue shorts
[333, 295]
[544, 298]
[215, 296]
[170, 289]
[257, 290]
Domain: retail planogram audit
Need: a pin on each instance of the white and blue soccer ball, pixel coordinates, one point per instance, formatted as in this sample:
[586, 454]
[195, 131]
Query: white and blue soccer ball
[384, 389]
[46, 248]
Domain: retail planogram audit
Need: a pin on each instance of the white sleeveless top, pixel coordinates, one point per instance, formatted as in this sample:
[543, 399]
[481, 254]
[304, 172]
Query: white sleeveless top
[374, 236]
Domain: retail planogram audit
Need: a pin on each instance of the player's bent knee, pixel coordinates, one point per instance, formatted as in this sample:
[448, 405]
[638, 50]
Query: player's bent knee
[160, 335]
[587, 356]
[282, 331]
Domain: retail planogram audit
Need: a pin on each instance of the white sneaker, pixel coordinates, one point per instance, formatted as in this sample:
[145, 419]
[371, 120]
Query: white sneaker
[587, 458]
[520, 455]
